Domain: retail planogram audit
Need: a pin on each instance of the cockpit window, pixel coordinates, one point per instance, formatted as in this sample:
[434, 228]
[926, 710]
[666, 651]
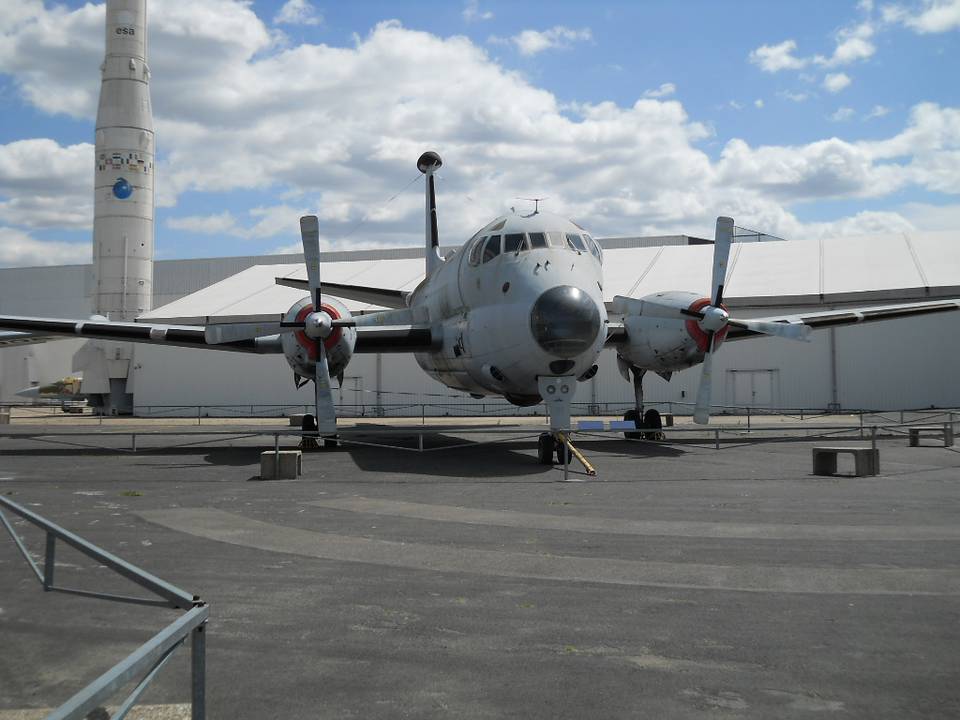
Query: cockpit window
[576, 242]
[513, 242]
[556, 239]
[492, 248]
[476, 250]
[594, 248]
[538, 240]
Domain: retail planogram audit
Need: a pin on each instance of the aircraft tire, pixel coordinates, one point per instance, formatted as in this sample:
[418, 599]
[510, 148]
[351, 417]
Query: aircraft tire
[629, 434]
[652, 420]
[545, 447]
[564, 449]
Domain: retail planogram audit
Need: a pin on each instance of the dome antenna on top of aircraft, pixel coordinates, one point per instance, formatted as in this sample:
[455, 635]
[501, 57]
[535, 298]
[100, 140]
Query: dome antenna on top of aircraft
[536, 204]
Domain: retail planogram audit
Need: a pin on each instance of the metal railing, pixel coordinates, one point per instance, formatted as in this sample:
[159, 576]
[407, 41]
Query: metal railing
[493, 408]
[146, 661]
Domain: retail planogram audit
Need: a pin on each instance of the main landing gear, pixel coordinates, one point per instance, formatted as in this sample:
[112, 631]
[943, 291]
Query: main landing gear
[650, 421]
[315, 442]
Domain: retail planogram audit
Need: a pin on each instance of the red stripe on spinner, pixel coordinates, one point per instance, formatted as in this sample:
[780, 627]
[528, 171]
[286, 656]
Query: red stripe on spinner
[700, 335]
[308, 344]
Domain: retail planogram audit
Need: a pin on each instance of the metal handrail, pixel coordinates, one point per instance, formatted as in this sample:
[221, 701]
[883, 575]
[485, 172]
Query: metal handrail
[147, 660]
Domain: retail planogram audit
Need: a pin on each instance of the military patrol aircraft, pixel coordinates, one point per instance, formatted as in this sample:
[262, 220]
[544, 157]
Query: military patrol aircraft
[518, 312]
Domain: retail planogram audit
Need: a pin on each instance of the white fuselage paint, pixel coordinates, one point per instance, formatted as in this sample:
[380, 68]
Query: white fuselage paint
[484, 325]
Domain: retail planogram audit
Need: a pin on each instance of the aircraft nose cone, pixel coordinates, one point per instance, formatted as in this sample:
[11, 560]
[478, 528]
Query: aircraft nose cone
[565, 321]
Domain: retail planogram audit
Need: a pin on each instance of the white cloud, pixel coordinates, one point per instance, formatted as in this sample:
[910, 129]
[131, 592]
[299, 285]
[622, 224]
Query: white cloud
[532, 42]
[342, 131]
[44, 185]
[932, 16]
[925, 216]
[665, 90]
[473, 13]
[774, 58]
[18, 249]
[298, 12]
[843, 114]
[853, 44]
[735, 105]
[835, 82]
[758, 103]
[878, 111]
[220, 224]
[797, 97]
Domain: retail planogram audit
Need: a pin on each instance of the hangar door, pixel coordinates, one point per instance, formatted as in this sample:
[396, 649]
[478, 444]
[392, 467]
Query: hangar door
[754, 388]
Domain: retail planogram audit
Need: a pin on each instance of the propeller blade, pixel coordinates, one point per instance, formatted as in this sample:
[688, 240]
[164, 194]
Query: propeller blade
[310, 236]
[723, 238]
[323, 397]
[233, 332]
[791, 331]
[701, 412]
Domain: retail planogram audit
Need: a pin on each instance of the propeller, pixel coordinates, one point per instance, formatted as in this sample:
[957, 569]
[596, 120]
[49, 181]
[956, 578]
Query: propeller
[317, 326]
[713, 318]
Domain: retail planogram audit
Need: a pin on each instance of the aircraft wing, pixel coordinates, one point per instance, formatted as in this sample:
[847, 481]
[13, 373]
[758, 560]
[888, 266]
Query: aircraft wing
[397, 338]
[850, 316]
[177, 335]
[11, 339]
[384, 297]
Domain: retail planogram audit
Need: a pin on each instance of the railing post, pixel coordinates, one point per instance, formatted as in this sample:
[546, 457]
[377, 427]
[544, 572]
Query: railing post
[133, 442]
[861, 424]
[198, 669]
[748, 419]
[198, 414]
[48, 562]
[716, 439]
[276, 456]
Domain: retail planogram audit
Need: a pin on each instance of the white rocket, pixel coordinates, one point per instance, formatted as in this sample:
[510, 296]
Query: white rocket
[123, 185]
[123, 204]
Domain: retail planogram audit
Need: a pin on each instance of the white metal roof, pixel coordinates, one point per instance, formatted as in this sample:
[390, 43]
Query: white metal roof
[874, 268]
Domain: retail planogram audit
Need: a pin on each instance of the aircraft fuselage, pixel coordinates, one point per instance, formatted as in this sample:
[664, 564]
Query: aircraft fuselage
[534, 308]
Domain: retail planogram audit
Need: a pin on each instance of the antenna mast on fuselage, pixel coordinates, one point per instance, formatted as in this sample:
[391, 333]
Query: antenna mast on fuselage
[428, 164]
[536, 204]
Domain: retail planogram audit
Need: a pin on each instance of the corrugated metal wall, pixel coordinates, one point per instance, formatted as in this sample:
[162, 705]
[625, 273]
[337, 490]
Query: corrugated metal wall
[899, 364]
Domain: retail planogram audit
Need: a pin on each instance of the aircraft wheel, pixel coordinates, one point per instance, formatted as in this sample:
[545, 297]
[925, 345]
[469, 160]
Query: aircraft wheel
[564, 449]
[545, 446]
[651, 420]
[628, 416]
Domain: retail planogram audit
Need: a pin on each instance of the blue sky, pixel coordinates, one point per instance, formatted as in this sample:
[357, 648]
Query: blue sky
[802, 119]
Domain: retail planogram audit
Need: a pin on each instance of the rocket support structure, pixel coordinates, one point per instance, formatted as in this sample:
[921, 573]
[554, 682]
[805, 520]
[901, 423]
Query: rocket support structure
[123, 202]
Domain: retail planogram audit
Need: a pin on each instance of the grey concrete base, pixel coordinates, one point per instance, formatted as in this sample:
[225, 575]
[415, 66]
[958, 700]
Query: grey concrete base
[866, 461]
[288, 466]
[682, 582]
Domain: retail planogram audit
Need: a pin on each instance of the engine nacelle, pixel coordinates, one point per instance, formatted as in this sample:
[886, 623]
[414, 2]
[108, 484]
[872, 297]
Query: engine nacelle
[301, 352]
[659, 336]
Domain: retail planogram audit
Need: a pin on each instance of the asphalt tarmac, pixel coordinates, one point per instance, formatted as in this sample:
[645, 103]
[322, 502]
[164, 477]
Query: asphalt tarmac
[681, 582]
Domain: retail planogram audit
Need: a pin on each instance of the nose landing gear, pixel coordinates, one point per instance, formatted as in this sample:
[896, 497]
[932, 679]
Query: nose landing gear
[550, 444]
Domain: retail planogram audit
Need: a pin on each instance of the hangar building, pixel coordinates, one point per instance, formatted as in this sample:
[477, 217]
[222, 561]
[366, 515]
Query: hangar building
[900, 364]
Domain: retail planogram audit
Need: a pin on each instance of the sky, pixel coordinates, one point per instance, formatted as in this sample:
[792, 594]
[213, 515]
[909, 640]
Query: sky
[800, 119]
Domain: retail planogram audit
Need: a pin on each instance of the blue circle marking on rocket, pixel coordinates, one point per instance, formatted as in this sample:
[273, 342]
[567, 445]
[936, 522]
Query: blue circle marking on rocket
[122, 189]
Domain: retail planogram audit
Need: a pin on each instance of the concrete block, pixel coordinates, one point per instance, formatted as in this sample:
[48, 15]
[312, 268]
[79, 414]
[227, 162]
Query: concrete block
[4, 416]
[866, 460]
[290, 465]
[296, 420]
